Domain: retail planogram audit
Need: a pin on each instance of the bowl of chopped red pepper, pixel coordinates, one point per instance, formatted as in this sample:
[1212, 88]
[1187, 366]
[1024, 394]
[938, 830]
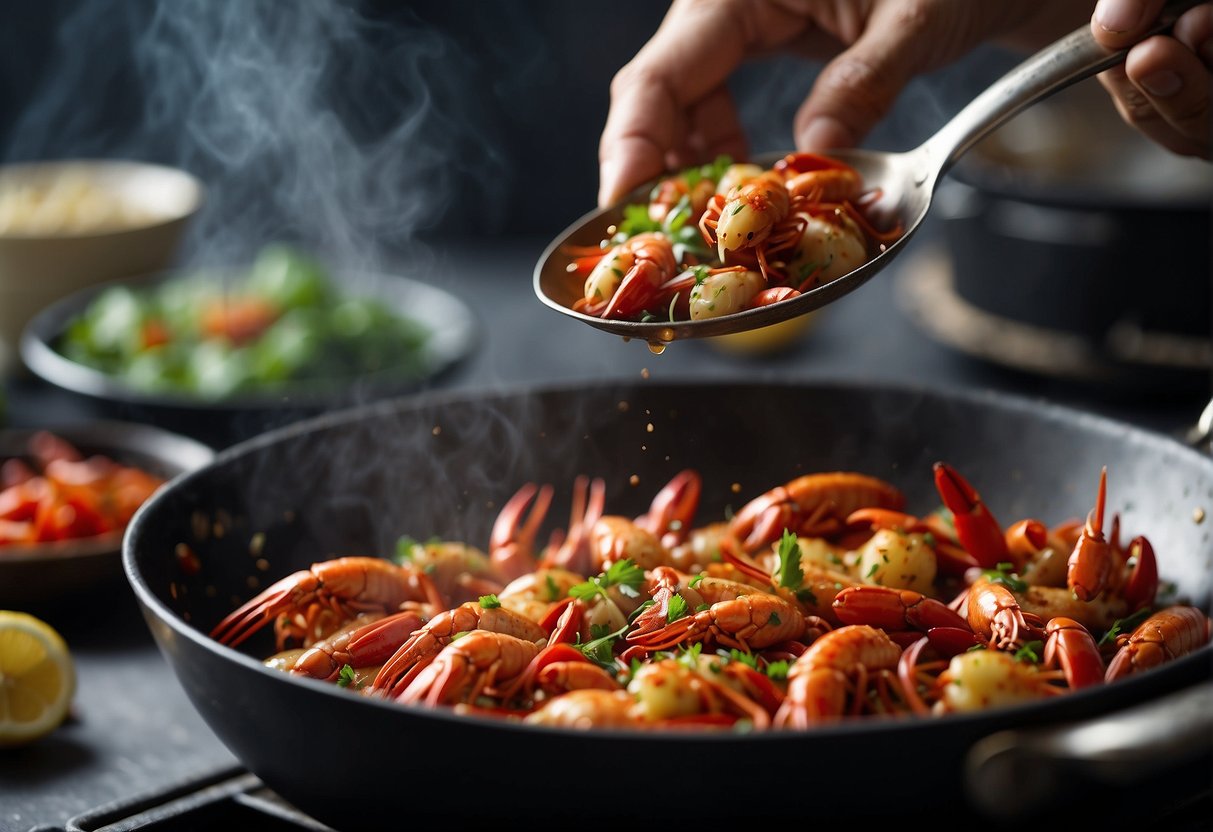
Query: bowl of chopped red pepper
[66, 497]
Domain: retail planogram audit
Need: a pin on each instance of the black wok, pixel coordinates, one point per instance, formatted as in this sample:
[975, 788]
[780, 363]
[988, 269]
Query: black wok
[352, 483]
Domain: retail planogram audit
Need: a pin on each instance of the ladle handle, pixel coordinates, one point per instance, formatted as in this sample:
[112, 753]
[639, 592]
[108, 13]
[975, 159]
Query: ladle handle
[1069, 60]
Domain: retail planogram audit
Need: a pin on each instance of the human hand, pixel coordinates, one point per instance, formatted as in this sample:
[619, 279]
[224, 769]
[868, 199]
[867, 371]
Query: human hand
[1163, 87]
[670, 106]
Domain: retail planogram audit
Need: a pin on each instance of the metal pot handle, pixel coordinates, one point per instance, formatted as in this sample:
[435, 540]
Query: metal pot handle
[1167, 743]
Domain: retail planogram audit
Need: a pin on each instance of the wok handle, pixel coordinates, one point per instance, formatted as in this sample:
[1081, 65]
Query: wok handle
[1167, 743]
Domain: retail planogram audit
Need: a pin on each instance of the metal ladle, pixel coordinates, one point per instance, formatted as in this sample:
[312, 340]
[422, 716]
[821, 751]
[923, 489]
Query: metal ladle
[906, 180]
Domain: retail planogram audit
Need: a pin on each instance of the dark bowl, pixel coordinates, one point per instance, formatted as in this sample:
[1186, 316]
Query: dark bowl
[1075, 248]
[454, 335]
[352, 483]
[60, 571]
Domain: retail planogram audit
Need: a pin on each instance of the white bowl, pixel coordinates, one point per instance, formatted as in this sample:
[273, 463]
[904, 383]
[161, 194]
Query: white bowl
[139, 213]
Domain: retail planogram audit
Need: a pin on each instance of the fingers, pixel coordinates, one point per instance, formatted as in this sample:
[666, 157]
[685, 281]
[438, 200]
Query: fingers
[856, 89]
[693, 52]
[1163, 89]
[1118, 23]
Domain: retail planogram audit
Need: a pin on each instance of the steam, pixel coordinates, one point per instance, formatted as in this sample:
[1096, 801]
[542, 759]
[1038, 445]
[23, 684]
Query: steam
[313, 123]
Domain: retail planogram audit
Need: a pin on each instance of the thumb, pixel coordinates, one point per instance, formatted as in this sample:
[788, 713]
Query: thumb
[1119, 23]
[857, 89]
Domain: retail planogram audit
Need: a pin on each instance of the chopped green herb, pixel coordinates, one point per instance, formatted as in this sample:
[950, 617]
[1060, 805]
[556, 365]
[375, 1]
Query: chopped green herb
[703, 607]
[976, 647]
[677, 609]
[778, 670]
[790, 573]
[489, 602]
[745, 658]
[650, 602]
[1124, 625]
[1002, 574]
[406, 549]
[695, 581]
[624, 574]
[1030, 652]
[873, 570]
[346, 677]
[553, 590]
[689, 655]
[601, 649]
[736, 210]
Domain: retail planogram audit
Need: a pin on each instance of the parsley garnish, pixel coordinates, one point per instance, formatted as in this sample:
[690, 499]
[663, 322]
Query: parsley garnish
[346, 677]
[1030, 652]
[778, 670]
[875, 568]
[601, 649]
[641, 609]
[1127, 624]
[1002, 574]
[745, 658]
[677, 609]
[489, 602]
[695, 581]
[689, 656]
[806, 596]
[703, 607]
[624, 574]
[790, 573]
[406, 549]
[553, 590]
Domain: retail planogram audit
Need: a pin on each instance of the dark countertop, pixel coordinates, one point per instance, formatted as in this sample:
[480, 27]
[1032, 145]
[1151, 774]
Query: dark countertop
[134, 731]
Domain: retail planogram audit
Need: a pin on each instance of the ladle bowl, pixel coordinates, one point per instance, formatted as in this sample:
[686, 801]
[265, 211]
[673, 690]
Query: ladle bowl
[905, 181]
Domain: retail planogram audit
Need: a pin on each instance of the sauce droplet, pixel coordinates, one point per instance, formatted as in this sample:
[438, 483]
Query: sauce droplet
[657, 347]
[634, 480]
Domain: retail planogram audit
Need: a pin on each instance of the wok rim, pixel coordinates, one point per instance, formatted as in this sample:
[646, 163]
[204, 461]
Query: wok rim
[1020, 715]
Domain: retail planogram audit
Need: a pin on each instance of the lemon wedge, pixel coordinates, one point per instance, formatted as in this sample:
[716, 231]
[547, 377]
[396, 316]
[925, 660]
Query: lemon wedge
[37, 678]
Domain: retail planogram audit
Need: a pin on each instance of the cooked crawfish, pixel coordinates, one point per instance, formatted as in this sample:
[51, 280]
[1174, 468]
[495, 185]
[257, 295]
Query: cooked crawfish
[838, 665]
[312, 603]
[1164, 636]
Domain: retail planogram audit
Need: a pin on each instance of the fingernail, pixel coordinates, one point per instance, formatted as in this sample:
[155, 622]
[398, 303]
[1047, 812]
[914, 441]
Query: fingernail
[1118, 15]
[823, 133]
[1162, 84]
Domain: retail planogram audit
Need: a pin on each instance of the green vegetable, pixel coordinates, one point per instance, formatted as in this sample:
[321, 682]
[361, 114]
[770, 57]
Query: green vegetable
[677, 609]
[1002, 574]
[282, 322]
[790, 573]
[346, 677]
[489, 602]
[624, 574]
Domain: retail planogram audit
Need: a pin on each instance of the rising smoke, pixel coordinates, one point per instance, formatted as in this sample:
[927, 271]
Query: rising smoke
[311, 121]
